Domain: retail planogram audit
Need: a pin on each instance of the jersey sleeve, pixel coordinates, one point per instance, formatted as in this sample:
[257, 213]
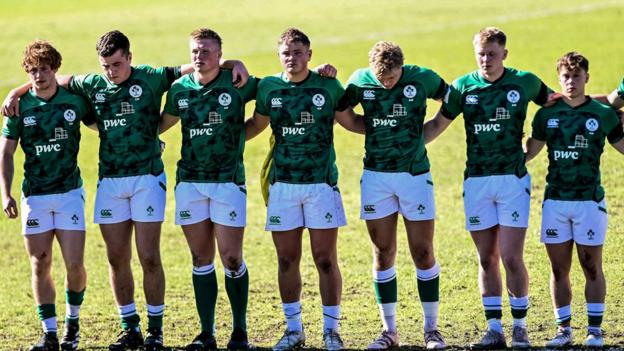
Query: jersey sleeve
[10, 127]
[86, 111]
[250, 89]
[171, 107]
[435, 85]
[613, 127]
[620, 89]
[537, 90]
[451, 105]
[538, 131]
[81, 84]
[261, 96]
[161, 78]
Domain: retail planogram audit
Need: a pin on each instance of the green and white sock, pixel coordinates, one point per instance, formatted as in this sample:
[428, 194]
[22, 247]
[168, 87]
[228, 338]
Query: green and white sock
[385, 283]
[237, 288]
[73, 302]
[428, 281]
[205, 286]
[47, 316]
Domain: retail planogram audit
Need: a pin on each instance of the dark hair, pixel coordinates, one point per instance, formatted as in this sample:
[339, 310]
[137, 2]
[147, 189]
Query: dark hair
[109, 43]
[573, 61]
[293, 35]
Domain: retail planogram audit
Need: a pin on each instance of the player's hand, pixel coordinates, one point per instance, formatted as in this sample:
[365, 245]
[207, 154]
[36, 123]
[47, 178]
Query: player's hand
[239, 74]
[162, 146]
[327, 70]
[9, 205]
[552, 99]
[10, 106]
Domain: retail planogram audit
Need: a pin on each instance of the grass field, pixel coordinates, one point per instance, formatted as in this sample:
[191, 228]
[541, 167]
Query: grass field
[432, 34]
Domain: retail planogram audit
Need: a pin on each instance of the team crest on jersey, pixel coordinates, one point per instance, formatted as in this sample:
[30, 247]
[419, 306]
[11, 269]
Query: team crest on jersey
[183, 103]
[136, 91]
[318, 100]
[225, 99]
[368, 95]
[472, 99]
[409, 91]
[30, 121]
[553, 123]
[70, 115]
[99, 97]
[513, 96]
[591, 125]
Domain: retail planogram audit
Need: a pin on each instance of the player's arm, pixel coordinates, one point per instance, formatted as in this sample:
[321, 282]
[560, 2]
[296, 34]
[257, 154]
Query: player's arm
[7, 150]
[435, 126]
[255, 125]
[350, 120]
[326, 70]
[533, 147]
[240, 75]
[167, 121]
[10, 106]
[615, 100]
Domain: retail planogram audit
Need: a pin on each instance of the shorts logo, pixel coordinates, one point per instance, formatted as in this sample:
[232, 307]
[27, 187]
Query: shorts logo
[135, 91]
[590, 235]
[275, 220]
[185, 214]
[32, 223]
[233, 216]
[513, 96]
[474, 220]
[69, 115]
[99, 97]
[225, 99]
[368, 95]
[276, 102]
[409, 91]
[183, 103]
[472, 99]
[369, 208]
[318, 100]
[150, 210]
[421, 209]
[553, 123]
[515, 216]
[552, 233]
[591, 125]
[106, 213]
[74, 219]
[328, 217]
[30, 121]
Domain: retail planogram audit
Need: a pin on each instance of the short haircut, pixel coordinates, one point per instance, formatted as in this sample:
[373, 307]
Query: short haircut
[573, 61]
[205, 33]
[293, 35]
[384, 57]
[109, 43]
[39, 53]
[490, 35]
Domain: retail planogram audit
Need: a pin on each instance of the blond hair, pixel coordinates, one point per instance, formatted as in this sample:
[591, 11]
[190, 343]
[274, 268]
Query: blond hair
[384, 57]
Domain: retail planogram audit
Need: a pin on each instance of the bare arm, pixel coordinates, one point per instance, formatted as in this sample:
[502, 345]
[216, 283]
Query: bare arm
[239, 71]
[435, 126]
[7, 150]
[350, 121]
[167, 121]
[619, 146]
[255, 125]
[533, 147]
[326, 70]
[615, 100]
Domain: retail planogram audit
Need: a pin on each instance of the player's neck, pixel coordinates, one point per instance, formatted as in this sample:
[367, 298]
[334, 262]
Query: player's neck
[297, 77]
[575, 101]
[47, 93]
[206, 77]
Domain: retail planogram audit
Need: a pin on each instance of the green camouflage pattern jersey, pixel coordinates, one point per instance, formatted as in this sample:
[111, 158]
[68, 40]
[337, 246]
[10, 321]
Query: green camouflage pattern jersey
[394, 117]
[49, 134]
[575, 137]
[620, 89]
[213, 127]
[494, 114]
[127, 117]
[302, 120]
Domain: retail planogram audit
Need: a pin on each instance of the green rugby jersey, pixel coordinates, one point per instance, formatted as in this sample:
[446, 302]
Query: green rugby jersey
[394, 117]
[49, 134]
[620, 89]
[302, 120]
[575, 138]
[127, 117]
[213, 127]
[494, 114]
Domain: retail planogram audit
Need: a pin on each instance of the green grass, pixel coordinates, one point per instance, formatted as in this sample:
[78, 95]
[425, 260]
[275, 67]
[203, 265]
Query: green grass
[436, 35]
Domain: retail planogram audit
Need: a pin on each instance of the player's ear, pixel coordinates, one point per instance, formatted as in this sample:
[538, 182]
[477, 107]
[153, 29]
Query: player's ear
[309, 55]
[129, 57]
[505, 54]
[587, 77]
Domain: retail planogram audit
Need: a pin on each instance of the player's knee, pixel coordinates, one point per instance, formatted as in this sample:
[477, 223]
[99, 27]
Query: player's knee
[489, 262]
[151, 263]
[74, 266]
[232, 262]
[325, 264]
[513, 263]
[423, 257]
[592, 269]
[559, 274]
[41, 264]
[118, 263]
[286, 263]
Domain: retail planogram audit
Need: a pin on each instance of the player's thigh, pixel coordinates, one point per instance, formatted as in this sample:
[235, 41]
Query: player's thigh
[486, 242]
[192, 206]
[420, 237]
[147, 239]
[556, 224]
[383, 232]
[511, 242]
[377, 198]
[288, 246]
[72, 243]
[560, 256]
[323, 243]
[118, 240]
[514, 200]
[69, 212]
[39, 248]
[37, 214]
[112, 203]
[479, 204]
[230, 244]
[148, 200]
[322, 207]
[416, 198]
[285, 207]
[228, 205]
[201, 241]
[589, 225]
